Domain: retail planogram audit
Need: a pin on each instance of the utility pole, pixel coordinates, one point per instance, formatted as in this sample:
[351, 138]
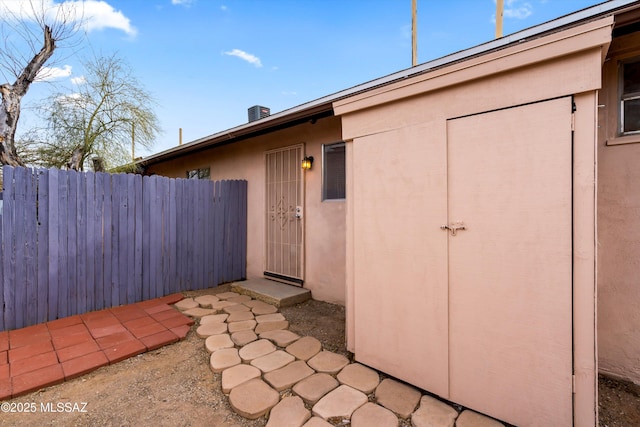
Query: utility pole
[499, 13]
[414, 31]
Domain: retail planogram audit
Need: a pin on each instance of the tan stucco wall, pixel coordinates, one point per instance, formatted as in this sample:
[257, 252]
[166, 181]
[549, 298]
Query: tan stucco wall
[618, 228]
[324, 220]
[406, 123]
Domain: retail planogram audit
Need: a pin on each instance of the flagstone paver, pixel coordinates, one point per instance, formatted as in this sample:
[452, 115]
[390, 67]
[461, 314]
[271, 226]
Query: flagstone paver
[253, 399]
[223, 359]
[311, 389]
[284, 378]
[227, 295]
[359, 377]
[199, 312]
[397, 397]
[186, 304]
[275, 317]
[209, 329]
[305, 348]
[239, 299]
[235, 308]
[290, 412]
[255, 302]
[243, 338]
[244, 325]
[221, 304]
[273, 361]
[205, 301]
[271, 326]
[255, 372]
[281, 338]
[238, 316]
[433, 413]
[371, 414]
[472, 419]
[263, 308]
[317, 422]
[256, 349]
[341, 402]
[218, 342]
[236, 375]
[214, 318]
[328, 362]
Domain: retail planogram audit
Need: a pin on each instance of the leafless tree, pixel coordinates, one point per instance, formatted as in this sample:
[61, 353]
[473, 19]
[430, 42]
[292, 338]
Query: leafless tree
[105, 114]
[30, 33]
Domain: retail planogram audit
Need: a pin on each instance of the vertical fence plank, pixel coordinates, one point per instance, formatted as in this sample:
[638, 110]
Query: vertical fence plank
[146, 236]
[20, 242]
[129, 240]
[108, 232]
[8, 248]
[63, 237]
[155, 240]
[175, 286]
[31, 248]
[72, 223]
[54, 247]
[180, 222]
[81, 245]
[43, 245]
[167, 285]
[137, 244]
[123, 247]
[90, 240]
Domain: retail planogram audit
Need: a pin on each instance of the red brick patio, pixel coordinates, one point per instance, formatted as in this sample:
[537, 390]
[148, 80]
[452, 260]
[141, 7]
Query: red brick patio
[46, 354]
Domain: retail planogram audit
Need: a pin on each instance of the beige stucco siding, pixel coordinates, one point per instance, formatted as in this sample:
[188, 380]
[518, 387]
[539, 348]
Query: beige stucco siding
[397, 139]
[618, 228]
[324, 220]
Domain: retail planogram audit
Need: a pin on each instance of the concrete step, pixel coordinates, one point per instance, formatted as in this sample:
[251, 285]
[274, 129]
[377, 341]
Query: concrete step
[269, 291]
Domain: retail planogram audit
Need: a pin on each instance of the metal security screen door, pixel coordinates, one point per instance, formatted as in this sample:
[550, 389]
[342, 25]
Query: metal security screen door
[284, 197]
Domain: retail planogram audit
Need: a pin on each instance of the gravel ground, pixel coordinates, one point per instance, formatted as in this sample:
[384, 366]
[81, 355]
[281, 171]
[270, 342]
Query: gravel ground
[173, 386]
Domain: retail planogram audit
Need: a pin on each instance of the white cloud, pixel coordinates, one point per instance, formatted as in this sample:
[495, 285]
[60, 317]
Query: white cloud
[516, 9]
[101, 15]
[251, 59]
[53, 73]
[95, 14]
[181, 2]
[224, 8]
[78, 80]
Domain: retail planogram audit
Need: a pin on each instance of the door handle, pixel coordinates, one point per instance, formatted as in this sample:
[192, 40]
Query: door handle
[454, 227]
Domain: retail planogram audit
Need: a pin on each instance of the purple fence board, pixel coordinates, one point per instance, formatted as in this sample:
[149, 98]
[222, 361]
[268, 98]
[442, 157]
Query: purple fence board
[31, 249]
[75, 242]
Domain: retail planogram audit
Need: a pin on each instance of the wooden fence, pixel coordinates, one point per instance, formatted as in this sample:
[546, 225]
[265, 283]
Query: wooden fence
[75, 242]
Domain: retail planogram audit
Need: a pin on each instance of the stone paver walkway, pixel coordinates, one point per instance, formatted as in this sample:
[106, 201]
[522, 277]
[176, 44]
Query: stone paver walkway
[49, 353]
[268, 371]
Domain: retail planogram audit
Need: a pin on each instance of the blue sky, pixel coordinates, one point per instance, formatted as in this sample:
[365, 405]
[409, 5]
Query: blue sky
[207, 61]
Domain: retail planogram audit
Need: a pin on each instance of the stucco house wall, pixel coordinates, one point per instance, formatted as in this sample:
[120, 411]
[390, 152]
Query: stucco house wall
[324, 220]
[397, 136]
[618, 226]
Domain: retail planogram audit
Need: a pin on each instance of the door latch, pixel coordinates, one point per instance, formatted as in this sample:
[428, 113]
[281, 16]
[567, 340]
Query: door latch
[298, 212]
[454, 227]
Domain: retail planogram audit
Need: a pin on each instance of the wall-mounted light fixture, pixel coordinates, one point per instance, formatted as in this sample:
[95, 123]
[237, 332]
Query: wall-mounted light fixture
[307, 162]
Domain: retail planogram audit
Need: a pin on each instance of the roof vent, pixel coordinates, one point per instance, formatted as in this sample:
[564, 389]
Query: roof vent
[258, 112]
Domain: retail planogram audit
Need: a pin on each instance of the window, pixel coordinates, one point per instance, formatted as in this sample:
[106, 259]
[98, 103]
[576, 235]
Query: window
[630, 98]
[334, 177]
[203, 173]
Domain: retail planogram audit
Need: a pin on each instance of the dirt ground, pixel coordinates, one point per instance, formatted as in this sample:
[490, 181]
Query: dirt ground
[173, 386]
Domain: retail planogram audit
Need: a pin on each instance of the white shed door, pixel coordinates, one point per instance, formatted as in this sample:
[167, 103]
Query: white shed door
[510, 269]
